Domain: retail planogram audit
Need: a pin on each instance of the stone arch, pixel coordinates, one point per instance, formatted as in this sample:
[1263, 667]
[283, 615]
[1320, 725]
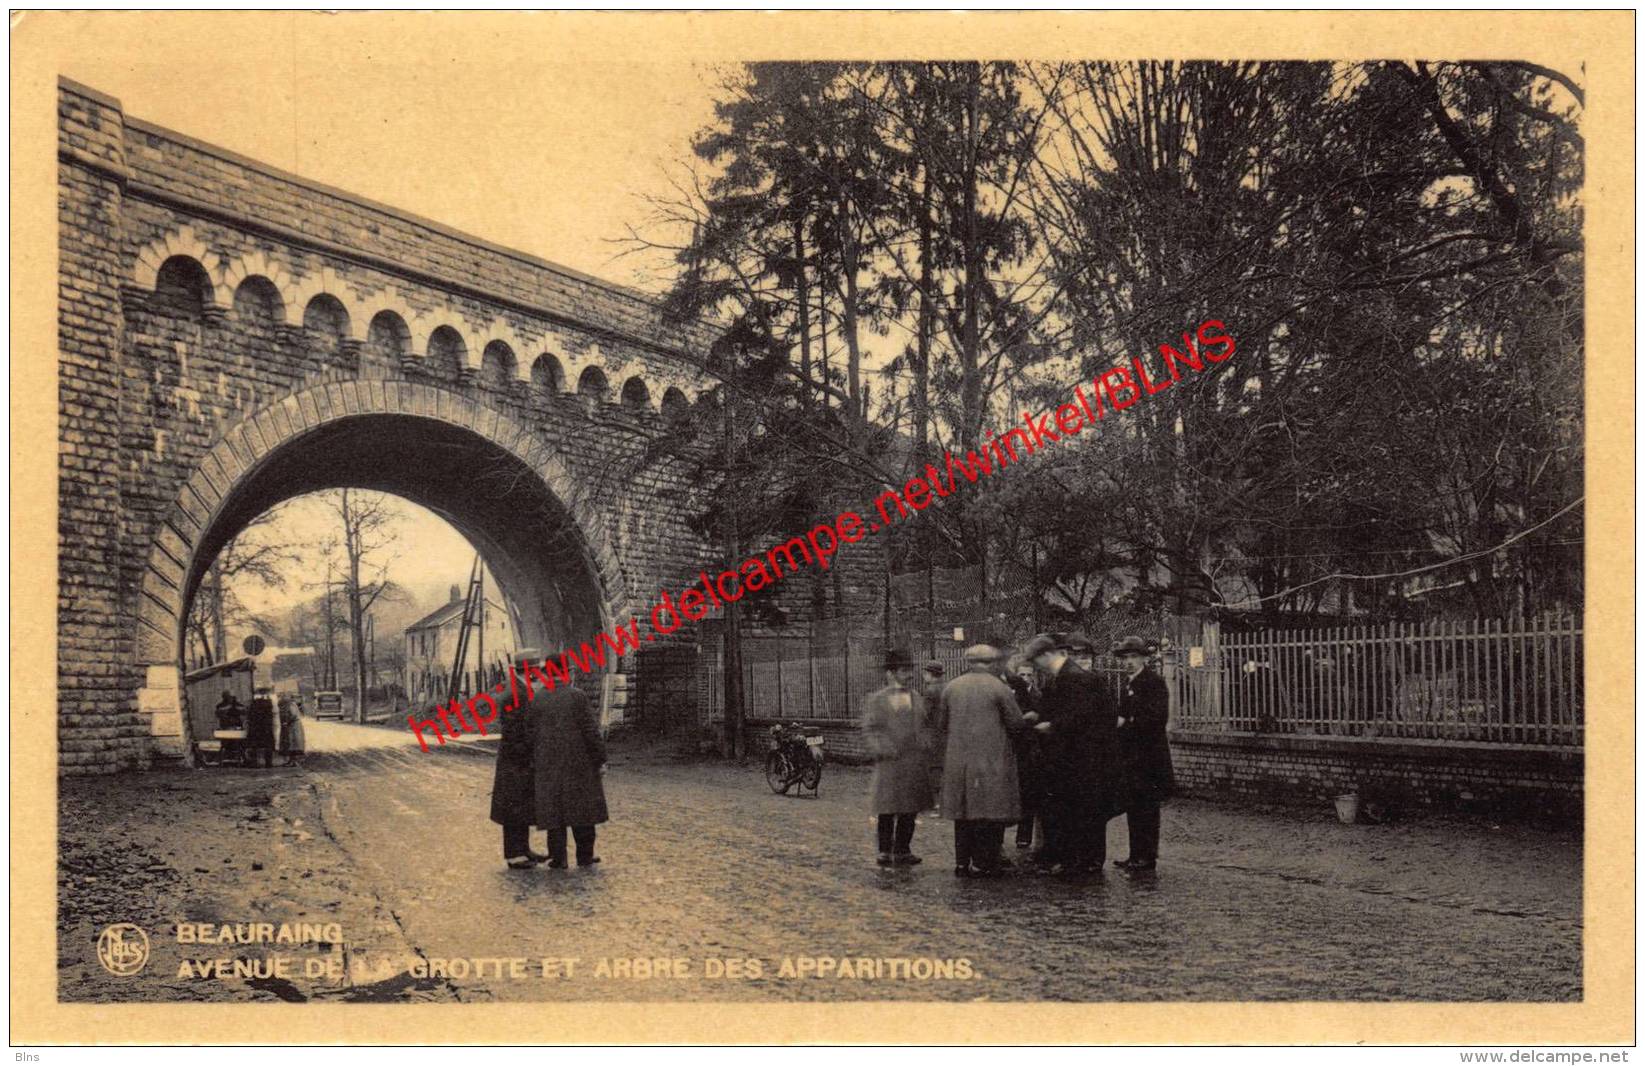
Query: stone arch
[182, 282]
[501, 333]
[391, 331]
[578, 363]
[592, 385]
[498, 366]
[635, 396]
[376, 304]
[257, 297]
[257, 265]
[326, 313]
[547, 377]
[325, 281]
[183, 242]
[543, 535]
[447, 352]
[675, 406]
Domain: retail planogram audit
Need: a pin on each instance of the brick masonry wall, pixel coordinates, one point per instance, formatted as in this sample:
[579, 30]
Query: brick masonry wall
[169, 164]
[1501, 780]
[100, 728]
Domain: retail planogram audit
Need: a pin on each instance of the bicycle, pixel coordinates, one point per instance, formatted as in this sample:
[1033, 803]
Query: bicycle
[795, 758]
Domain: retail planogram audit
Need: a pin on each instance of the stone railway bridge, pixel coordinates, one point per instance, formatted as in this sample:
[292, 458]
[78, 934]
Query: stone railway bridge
[231, 335]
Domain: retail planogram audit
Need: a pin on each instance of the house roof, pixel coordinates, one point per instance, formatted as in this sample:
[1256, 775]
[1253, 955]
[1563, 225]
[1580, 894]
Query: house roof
[448, 612]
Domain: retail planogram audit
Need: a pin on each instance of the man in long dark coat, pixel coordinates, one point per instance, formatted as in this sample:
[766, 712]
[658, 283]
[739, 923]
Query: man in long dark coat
[1145, 753]
[897, 730]
[1080, 759]
[979, 772]
[1030, 786]
[260, 729]
[568, 764]
[513, 789]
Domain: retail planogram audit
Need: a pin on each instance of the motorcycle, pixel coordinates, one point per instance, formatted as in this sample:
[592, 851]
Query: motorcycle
[795, 758]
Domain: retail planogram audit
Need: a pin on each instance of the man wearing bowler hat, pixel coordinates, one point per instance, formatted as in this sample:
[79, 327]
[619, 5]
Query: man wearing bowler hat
[513, 790]
[1080, 764]
[979, 778]
[897, 730]
[1145, 754]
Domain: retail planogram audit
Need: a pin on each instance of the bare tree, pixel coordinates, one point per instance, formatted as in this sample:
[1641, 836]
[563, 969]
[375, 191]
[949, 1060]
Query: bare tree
[254, 556]
[369, 521]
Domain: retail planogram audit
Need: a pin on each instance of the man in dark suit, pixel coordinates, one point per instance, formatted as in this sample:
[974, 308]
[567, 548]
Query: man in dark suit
[931, 675]
[1145, 753]
[1024, 685]
[568, 764]
[513, 791]
[1079, 732]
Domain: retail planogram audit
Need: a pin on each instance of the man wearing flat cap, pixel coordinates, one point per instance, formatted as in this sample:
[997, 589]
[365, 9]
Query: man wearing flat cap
[1080, 758]
[1145, 754]
[979, 780]
[897, 730]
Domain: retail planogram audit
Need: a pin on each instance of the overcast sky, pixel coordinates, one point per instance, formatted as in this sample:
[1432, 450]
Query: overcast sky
[505, 129]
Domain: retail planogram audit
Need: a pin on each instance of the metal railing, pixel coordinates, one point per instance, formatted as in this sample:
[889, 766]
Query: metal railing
[792, 679]
[1493, 682]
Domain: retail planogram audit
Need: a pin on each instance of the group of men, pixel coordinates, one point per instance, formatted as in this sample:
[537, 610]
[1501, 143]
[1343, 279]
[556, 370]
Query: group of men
[1041, 743]
[550, 770]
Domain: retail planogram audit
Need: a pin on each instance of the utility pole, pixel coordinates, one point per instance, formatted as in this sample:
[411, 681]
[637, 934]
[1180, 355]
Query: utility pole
[480, 659]
[733, 740]
[219, 631]
[1034, 548]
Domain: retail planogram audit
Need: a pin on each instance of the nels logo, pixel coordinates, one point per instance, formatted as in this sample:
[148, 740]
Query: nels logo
[123, 949]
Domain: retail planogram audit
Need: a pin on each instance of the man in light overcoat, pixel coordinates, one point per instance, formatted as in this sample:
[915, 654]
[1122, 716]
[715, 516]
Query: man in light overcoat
[897, 729]
[979, 782]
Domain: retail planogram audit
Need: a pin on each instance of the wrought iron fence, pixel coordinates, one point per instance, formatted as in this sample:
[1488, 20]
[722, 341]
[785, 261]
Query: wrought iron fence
[1495, 682]
[793, 678]
[1481, 682]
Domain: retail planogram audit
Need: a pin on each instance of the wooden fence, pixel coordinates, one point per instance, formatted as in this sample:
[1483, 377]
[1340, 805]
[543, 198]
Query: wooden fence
[1516, 683]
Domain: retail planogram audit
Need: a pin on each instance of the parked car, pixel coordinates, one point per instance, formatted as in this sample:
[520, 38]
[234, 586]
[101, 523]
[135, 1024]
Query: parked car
[328, 705]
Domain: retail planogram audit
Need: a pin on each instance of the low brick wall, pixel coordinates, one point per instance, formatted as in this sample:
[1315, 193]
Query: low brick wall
[1501, 780]
[1517, 781]
[842, 738]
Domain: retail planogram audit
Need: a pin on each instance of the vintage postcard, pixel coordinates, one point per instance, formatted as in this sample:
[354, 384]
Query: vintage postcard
[823, 527]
